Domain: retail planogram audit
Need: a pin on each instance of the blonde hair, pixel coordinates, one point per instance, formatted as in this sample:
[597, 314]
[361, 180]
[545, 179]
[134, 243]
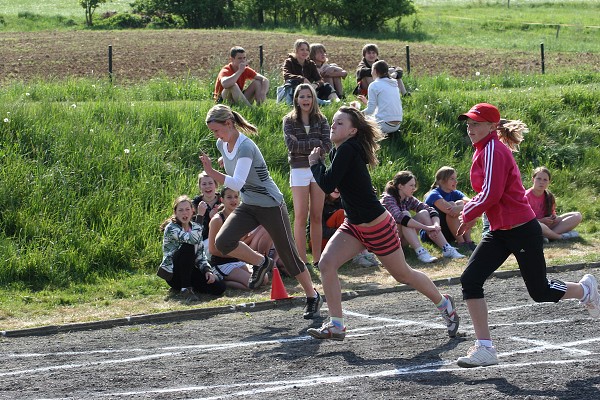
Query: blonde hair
[299, 43]
[510, 132]
[367, 133]
[314, 48]
[221, 113]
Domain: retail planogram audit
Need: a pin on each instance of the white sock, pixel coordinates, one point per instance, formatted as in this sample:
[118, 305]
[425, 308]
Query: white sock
[485, 342]
[586, 293]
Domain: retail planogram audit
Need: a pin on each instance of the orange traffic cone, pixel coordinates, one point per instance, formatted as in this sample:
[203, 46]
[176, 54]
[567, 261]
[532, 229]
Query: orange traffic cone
[278, 291]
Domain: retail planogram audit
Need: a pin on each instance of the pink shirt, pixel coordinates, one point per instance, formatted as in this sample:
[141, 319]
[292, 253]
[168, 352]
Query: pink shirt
[538, 204]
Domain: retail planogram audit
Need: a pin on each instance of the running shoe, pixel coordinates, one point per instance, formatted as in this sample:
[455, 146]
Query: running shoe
[372, 258]
[188, 295]
[451, 317]
[592, 300]
[451, 252]
[362, 261]
[259, 272]
[313, 306]
[328, 331]
[479, 356]
[570, 235]
[424, 256]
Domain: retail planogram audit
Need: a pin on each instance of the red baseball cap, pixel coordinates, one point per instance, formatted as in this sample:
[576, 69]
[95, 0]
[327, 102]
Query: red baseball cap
[482, 112]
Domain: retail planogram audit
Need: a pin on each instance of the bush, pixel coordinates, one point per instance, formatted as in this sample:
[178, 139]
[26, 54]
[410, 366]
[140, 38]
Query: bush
[125, 21]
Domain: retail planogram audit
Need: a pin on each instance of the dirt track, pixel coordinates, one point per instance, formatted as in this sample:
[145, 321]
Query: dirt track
[143, 54]
[396, 347]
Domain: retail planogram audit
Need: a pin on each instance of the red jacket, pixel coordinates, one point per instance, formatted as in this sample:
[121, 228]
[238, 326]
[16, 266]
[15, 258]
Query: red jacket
[497, 180]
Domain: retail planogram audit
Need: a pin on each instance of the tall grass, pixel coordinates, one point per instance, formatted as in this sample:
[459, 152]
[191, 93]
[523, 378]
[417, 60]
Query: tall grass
[88, 170]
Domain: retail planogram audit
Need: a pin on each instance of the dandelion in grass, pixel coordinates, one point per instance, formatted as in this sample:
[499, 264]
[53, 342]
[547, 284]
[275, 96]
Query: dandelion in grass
[126, 151]
[6, 120]
[477, 73]
[73, 105]
[27, 94]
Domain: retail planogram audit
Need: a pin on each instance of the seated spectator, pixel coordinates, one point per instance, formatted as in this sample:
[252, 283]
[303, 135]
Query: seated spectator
[298, 68]
[364, 77]
[331, 73]
[543, 203]
[184, 266]
[235, 273]
[384, 102]
[232, 79]
[448, 202]
[206, 205]
[398, 199]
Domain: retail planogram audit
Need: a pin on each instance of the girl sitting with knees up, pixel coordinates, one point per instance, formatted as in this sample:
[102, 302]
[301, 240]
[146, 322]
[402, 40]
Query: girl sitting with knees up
[398, 199]
[235, 273]
[448, 202]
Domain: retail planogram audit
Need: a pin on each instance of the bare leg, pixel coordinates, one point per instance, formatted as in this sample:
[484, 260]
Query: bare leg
[300, 197]
[479, 316]
[567, 222]
[317, 199]
[340, 248]
[235, 95]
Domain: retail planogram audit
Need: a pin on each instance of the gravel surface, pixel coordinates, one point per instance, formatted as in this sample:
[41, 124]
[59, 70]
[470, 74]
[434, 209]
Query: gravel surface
[396, 347]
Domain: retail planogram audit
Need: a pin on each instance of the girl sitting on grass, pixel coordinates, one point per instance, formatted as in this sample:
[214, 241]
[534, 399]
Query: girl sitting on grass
[235, 273]
[399, 201]
[184, 266]
[448, 202]
[543, 203]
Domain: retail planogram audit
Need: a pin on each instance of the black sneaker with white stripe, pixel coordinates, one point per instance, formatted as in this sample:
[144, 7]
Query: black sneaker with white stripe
[313, 306]
[259, 272]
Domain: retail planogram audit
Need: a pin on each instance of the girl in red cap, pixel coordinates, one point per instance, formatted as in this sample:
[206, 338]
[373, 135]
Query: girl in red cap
[513, 230]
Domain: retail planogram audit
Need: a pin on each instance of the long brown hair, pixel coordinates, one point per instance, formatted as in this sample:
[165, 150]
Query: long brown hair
[172, 218]
[549, 199]
[401, 178]
[367, 133]
[315, 112]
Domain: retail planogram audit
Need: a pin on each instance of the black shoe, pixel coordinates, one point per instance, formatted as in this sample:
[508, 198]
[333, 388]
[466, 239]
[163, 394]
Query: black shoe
[313, 306]
[259, 272]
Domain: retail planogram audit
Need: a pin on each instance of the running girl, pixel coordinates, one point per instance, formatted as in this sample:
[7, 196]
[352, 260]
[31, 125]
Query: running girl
[367, 224]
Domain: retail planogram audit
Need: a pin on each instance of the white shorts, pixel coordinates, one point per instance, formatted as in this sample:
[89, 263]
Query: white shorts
[301, 177]
[224, 270]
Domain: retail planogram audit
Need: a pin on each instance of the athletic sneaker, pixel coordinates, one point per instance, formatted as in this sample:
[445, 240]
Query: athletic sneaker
[361, 261]
[424, 256]
[328, 331]
[259, 272]
[451, 317]
[189, 295]
[592, 301]
[570, 235]
[372, 259]
[546, 240]
[313, 306]
[451, 252]
[479, 356]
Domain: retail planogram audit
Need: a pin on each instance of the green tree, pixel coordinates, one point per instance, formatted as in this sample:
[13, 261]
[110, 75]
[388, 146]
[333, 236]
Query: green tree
[90, 7]
[368, 15]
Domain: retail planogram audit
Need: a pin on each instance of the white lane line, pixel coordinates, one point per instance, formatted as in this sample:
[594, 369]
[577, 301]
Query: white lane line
[541, 345]
[275, 386]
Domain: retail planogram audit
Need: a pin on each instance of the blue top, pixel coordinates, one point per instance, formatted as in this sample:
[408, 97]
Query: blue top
[437, 194]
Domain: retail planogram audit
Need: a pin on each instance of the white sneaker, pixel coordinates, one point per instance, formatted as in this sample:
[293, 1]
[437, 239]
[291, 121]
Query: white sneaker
[570, 235]
[362, 261]
[372, 259]
[425, 257]
[451, 252]
[478, 356]
[592, 301]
